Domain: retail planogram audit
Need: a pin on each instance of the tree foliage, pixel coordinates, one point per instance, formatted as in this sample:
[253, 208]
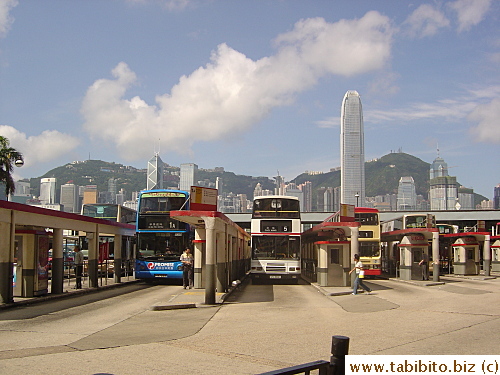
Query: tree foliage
[8, 158]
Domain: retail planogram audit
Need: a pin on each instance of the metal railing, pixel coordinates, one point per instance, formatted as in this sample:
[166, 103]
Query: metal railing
[336, 366]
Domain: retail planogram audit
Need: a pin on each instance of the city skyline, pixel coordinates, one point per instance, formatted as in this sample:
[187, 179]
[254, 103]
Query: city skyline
[198, 83]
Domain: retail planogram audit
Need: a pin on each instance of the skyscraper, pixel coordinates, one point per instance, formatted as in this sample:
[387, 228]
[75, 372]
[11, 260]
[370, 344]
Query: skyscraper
[155, 173]
[70, 198]
[496, 197]
[48, 190]
[188, 176]
[443, 189]
[352, 150]
[407, 196]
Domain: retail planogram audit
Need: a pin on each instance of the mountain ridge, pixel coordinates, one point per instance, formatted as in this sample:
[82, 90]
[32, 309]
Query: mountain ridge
[381, 177]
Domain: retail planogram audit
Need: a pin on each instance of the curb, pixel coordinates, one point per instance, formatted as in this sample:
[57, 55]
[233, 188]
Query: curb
[67, 294]
[174, 307]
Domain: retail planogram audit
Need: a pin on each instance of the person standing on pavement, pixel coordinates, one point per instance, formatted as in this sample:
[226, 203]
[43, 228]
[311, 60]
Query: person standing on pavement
[78, 267]
[358, 281]
[424, 266]
[187, 260]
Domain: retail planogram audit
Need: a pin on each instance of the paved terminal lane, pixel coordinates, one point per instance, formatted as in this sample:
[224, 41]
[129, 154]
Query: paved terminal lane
[110, 318]
[259, 328]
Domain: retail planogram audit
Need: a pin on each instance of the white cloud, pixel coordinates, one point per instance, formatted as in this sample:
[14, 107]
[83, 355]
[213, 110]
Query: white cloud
[486, 116]
[470, 12]
[49, 145]
[425, 21]
[480, 106]
[5, 18]
[233, 92]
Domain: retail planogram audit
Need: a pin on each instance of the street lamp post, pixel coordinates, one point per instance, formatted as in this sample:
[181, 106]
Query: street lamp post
[357, 199]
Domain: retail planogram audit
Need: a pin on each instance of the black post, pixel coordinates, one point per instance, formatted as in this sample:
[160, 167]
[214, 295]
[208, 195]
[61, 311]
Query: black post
[340, 348]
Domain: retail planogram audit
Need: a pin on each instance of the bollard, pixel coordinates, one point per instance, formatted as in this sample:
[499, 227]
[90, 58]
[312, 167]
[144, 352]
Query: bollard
[340, 348]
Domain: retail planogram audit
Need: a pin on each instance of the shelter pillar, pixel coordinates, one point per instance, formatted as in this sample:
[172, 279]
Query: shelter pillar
[93, 258]
[211, 258]
[435, 256]
[354, 249]
[6, 261]
[221, 260]
[199, 257]
[118, 258]
[57, 262]
[487, 255]
[322, 270]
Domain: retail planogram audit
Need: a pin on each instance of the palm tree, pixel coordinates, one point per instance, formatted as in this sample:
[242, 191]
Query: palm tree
[8, 158]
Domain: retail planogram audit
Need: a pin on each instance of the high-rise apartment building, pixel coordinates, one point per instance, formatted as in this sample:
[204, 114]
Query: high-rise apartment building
[70, 198]
[257, 191]
[155, 173]
[306, 188]
[112, 190]
[465, 199]
[293, 190]
[407, 195]
[188, 176]
[352, 150]
[22, 193]
[90, 194]
[496, 197]
[443, 189]
[48, 190]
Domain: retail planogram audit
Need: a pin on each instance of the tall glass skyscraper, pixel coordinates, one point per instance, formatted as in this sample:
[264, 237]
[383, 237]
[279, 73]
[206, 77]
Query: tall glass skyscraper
[155, 173]
[407, 196]
[352, 150]
[188, 176]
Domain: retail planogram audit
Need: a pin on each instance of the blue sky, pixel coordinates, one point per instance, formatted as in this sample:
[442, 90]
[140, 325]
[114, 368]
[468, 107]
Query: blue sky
[253, 86]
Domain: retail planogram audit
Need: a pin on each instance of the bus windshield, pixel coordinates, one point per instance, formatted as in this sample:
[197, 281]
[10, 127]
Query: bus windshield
[275, 247]
[276, 207]
[419, 221]
[369, 249]
[160, 246]
[101, 211]
[367, 218]
[155, 204]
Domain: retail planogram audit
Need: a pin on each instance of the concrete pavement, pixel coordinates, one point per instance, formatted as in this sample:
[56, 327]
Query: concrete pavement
[265, 327]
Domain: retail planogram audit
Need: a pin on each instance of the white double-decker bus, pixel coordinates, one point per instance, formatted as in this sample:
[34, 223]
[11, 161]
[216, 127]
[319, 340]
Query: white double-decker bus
[275, 230]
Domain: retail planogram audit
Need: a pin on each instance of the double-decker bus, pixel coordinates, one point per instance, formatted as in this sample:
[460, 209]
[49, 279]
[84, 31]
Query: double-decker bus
[409, 221]
[108, 211]
[118, 214]
[369, 238]
[275, 230]
[160, 239]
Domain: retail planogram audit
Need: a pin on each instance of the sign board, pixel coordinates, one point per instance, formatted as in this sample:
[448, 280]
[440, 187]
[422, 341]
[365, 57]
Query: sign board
[346, 213]
[203, 199]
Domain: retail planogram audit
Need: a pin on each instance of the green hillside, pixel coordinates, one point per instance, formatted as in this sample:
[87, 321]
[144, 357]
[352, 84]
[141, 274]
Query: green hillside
[98, 172]
[381, 175]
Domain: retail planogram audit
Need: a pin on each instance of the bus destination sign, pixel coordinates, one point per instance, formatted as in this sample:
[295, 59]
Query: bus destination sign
[160, 194]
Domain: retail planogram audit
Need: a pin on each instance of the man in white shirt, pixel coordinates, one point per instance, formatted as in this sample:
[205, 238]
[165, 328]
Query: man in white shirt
[358, 281]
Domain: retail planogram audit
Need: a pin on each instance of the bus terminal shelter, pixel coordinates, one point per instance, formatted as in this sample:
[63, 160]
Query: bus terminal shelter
[26, 232]
[467, 252]
[413, 245]
[328, 248]
[221, 251]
